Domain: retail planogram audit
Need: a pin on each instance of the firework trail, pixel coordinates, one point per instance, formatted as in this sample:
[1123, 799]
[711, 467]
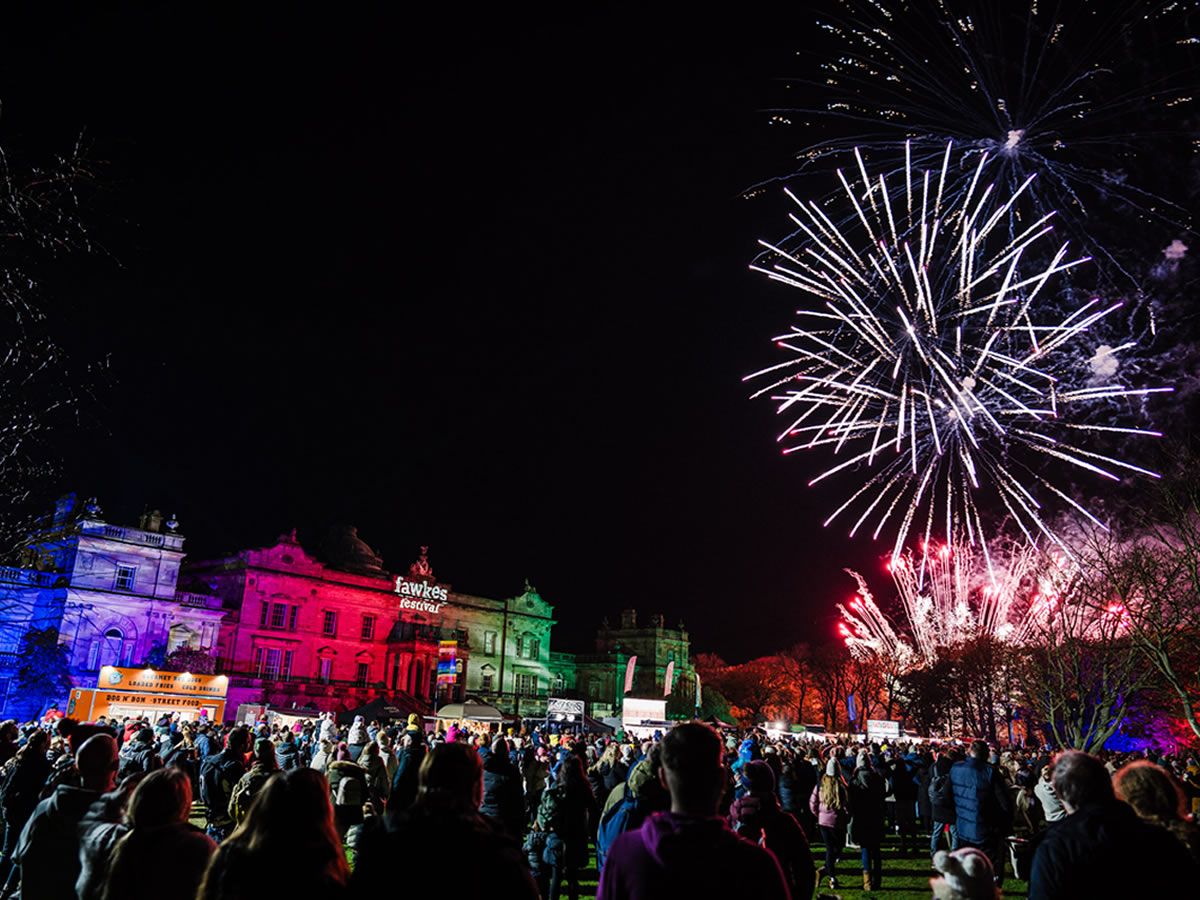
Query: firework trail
[928, 361]
[951, 595]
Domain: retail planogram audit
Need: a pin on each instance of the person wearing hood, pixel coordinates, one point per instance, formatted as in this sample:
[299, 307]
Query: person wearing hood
[758, 817]
[329, 730]
[503, 800]
[831, 806]
[358, 738]
[162, 856]
[323, 757]
[453, 733]
[377, 776]
[48, 849]
[348, 790]
[535, 771]
[866, 792]
[690, 851]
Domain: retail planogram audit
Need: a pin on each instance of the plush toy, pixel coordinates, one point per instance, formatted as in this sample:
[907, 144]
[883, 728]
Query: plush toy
[966, 875]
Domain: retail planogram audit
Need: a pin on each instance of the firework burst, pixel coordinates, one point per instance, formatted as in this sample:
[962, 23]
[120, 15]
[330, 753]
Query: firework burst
[928, 362]
[950, 595]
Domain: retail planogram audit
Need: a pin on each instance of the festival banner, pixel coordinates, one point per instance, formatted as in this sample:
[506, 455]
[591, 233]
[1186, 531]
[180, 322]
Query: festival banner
[670, 678]
[629, 667]
[447, 667]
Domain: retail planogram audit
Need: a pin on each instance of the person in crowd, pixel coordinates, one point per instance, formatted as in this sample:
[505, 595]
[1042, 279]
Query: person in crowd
[161, 857]
[387, 753]
[288, 846]
[923, 762]
[866, 792]
[358, 738]
[219, 775]
[408, 765]
[1157, 797]
[535, 771]
[140, 754]
[830, 805]
[348, 790]
[263, 765]
[965, 874]
[287, 754]
[690, 851]
[204, 743]
[9, 743]
[565, 815]
[21, 782]
[797, 780]
[48, 849]
[99, 830]
[1085, 854]
[378, 784]
[442, 828]
[502, 798]
[323, 756]
[631, 803]
[757, 816]
[1052, 808]
[941, 803]
[982, 806]
[600, 773]
[901, 777]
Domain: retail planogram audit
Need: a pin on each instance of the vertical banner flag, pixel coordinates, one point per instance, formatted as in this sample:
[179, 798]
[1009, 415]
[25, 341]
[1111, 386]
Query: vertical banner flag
[629, 666]
[670, 678]
[447, 667]
[698, 701]
[851, 710]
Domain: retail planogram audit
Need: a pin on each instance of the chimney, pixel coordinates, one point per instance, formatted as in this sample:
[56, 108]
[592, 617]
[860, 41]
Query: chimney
[629, 618]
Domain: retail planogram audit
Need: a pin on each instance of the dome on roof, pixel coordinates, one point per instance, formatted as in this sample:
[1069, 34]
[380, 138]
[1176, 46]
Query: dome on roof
[344, 549]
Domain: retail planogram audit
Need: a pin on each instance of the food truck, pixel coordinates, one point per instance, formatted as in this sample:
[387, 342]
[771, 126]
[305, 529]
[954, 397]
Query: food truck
[122, 692]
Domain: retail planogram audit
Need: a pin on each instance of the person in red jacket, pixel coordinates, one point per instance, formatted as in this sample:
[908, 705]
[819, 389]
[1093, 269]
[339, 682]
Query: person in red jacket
[690, 852]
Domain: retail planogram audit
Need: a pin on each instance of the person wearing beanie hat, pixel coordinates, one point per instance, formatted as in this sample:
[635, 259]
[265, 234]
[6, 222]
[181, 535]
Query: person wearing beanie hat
[966, 874]
[757, 816]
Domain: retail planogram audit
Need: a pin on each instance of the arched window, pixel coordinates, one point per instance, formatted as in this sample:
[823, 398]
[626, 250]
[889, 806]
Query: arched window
[108, 650]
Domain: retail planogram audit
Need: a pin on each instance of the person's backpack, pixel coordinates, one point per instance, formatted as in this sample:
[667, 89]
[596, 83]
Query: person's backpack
[940, 792]
[244, 793]
[624, 815]
[349, 792]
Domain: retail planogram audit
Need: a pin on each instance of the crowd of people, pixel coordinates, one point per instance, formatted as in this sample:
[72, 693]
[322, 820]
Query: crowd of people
[131, 809]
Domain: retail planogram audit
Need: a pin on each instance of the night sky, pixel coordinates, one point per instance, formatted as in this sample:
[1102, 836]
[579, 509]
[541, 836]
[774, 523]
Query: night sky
[476, 284]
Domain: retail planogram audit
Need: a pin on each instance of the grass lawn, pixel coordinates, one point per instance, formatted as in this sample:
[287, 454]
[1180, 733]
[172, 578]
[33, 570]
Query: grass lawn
[904, 878]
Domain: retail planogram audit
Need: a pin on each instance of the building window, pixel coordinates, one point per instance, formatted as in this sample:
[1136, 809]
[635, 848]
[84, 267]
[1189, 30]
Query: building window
[329, 628]
[485, 683]
[489, 643]
[527, 683]
[535, 648]
[263, 614]
[293, 617]
[125, 577]
[559, 682]
[287, 664]
[272, 663]
[278, 615]
[360, 677]
[368, 628]
[325, 672]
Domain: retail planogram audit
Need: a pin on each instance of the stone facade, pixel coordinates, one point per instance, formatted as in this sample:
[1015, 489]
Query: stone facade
[112, 592]
[599, 677]
[334, 629]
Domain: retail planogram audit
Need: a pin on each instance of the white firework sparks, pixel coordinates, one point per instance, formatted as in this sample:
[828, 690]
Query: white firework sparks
[928, 362]
[952, 595]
